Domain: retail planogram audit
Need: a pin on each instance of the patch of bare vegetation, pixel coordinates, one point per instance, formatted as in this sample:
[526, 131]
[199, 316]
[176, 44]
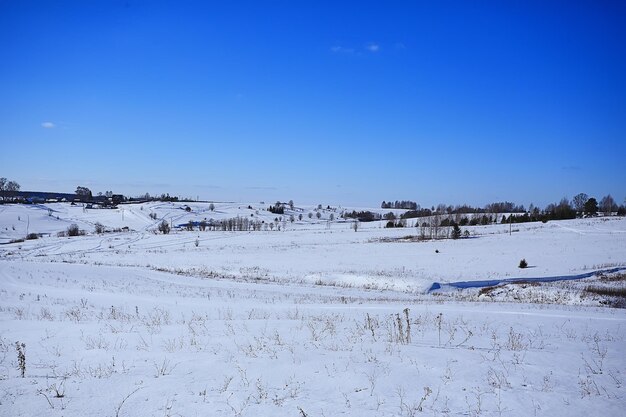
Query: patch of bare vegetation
[613, 278]
[602, 290]
[491, 291]
[611, 296]
[611, 291]
[487, 291]
[404, 239]
[407, 238]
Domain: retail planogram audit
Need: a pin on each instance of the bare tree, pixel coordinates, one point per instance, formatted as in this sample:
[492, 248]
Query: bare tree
[83, 193]
[579, 201]
[8, 188]
[12, 186]
[607, 205]
[435, 223]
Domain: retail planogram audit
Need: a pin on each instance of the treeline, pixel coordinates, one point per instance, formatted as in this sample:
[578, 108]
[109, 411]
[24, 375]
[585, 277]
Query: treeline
[278, 208]
[566, 210]
[404, 204]
[504, 207]
[580, 205]
[362, 216]
[233, 224]
[500, 212]
[165, 197]
[499, 207]
[445, 216]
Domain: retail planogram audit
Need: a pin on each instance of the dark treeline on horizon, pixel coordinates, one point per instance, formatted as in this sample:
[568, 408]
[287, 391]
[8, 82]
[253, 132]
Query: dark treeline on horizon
[581, 206]
[606, 205]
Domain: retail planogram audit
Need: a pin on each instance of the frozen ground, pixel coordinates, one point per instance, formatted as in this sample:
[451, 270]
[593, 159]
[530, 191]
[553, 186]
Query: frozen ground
[308, 321]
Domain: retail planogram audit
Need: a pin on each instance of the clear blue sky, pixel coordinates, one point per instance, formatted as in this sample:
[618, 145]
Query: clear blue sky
[319, 102]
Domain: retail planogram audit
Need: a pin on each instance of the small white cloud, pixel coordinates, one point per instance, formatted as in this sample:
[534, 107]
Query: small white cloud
[341, 50]
[373, 47]
[48, 125]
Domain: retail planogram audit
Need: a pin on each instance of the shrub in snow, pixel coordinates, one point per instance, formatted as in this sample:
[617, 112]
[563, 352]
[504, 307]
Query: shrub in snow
[21, 357]
[523, 264]
[73, 230]
[164, 227]
[99, 228]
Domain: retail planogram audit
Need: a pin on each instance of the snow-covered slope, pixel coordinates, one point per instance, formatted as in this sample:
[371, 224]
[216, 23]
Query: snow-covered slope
[312, 320]
[312, 250]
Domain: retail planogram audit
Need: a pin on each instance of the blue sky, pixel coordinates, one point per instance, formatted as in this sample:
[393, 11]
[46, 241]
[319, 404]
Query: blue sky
[319, 102]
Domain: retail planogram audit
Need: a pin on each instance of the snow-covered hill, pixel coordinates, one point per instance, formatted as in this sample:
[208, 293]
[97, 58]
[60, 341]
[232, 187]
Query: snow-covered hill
[313, 319]
[311, 250]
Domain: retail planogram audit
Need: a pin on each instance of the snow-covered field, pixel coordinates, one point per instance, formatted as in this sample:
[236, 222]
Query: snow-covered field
[311, 320]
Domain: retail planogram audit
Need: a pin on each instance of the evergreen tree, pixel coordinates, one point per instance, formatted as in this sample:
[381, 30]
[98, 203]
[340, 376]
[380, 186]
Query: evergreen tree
[591, 207]
[456, 231]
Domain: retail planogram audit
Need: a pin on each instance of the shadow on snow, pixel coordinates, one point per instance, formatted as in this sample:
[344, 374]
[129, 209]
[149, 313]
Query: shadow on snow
[492, 282]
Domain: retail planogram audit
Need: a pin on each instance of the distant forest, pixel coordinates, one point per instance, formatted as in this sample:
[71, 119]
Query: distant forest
[502, 212]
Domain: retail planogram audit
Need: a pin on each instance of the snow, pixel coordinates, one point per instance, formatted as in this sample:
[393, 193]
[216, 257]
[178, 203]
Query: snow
[309, 320]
